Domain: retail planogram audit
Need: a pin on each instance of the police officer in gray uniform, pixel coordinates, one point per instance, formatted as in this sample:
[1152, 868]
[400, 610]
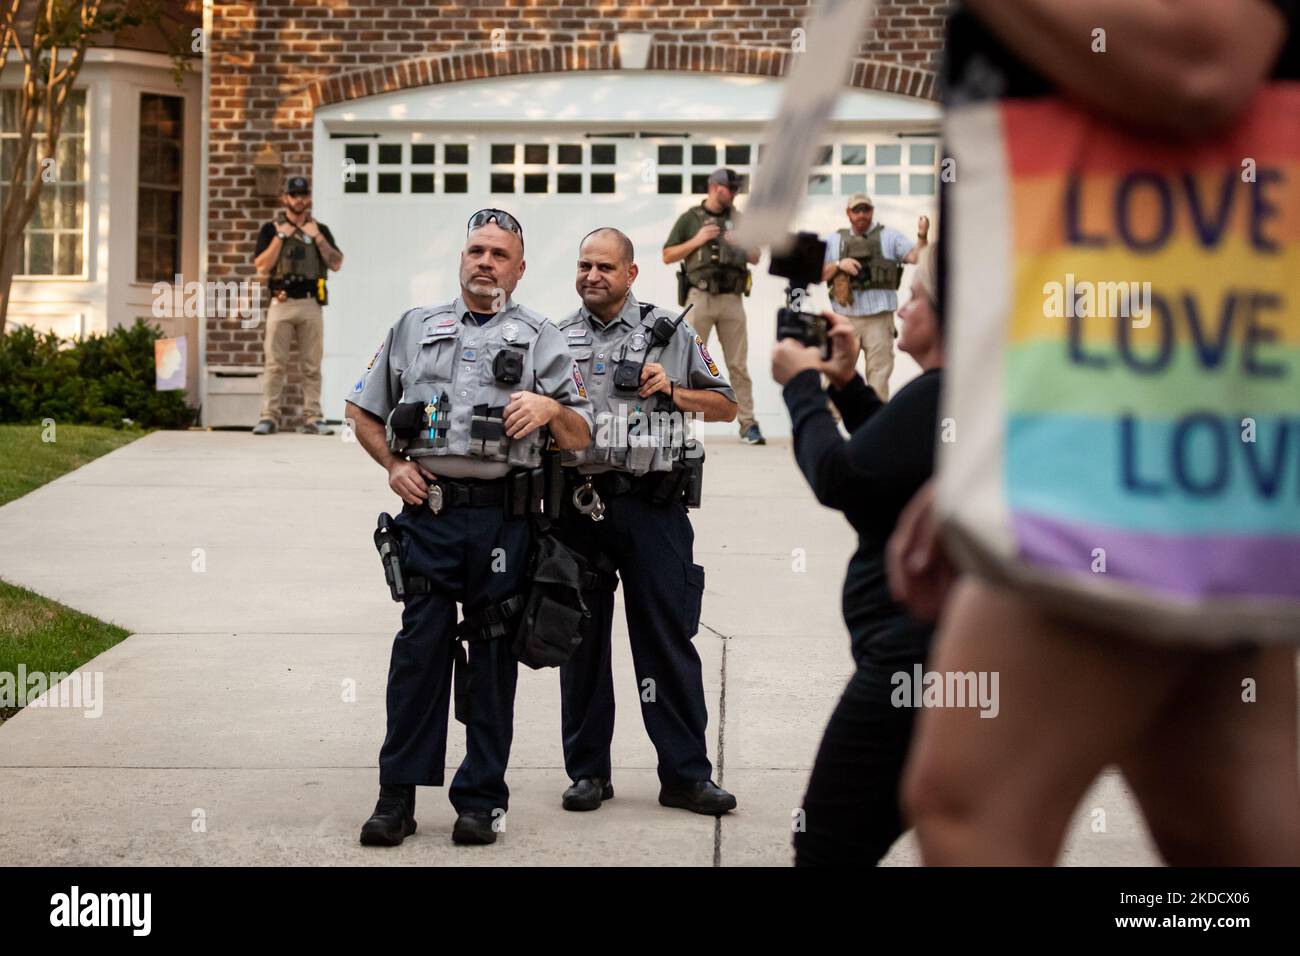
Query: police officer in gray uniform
[457, 405]
[627, 513]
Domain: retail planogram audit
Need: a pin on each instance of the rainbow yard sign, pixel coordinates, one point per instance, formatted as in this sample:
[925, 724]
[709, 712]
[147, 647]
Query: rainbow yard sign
[1124, 363]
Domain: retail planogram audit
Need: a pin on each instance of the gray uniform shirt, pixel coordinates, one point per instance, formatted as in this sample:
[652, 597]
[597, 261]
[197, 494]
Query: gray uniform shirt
[634, 434]
[440, 355]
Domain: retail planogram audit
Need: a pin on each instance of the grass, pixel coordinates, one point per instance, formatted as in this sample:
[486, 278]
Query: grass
[27, 462]
[38, 633]
[47, 637]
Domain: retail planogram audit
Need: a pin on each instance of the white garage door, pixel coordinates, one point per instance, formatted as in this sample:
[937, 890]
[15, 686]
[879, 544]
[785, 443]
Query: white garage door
[397, 182]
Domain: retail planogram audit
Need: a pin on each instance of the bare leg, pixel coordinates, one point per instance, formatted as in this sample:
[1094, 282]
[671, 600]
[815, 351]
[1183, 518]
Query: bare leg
[1071, 700]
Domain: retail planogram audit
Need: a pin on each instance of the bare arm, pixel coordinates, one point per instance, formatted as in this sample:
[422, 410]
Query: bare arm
[680, 251]
[333, 258]
[714, 406]
[569, 429]
[408, 479]
[265, 260]
[1180, 66]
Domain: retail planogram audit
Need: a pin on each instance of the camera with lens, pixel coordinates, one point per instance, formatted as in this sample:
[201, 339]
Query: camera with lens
[627, 376]
[508, 367]
[801, 266]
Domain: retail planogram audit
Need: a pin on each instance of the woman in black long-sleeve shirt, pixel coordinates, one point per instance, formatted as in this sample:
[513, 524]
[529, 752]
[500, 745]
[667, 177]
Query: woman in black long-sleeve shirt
[851, 808]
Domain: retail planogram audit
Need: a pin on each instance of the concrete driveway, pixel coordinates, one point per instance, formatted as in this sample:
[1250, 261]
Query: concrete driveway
[242, 719]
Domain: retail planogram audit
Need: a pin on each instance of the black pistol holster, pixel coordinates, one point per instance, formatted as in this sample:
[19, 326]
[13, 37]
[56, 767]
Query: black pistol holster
[388, 543]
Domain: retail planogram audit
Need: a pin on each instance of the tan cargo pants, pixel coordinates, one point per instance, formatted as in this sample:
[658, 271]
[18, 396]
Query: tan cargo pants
[291, 319]
[725, 311]
[876, 336]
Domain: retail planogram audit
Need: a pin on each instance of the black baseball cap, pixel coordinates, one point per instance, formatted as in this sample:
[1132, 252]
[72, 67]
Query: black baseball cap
[297, 186]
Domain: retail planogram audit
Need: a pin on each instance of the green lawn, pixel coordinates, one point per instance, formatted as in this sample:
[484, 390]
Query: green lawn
[27, 462]
[34, 631]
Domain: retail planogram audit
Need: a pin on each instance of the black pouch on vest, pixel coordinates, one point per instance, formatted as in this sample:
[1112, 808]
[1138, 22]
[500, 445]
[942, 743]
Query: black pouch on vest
[407, 419]
[683, 286]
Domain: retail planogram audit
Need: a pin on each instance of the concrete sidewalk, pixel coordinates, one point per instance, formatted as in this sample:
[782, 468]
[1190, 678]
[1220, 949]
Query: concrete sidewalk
[243, 717]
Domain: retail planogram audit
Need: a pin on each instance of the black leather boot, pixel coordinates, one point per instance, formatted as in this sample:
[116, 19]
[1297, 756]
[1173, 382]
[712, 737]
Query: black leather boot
[394, 816]
[474, 828]
[703, 796]
[587, 794]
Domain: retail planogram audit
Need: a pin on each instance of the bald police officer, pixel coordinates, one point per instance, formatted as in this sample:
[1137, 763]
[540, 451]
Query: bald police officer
[457, 405]
[626, 514]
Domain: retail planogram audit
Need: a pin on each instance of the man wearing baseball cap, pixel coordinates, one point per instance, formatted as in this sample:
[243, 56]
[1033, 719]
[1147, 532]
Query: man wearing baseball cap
[295, 253]
[864, 268]
[714, 275]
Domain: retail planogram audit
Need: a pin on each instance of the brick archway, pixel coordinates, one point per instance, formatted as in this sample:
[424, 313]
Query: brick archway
[457, 66]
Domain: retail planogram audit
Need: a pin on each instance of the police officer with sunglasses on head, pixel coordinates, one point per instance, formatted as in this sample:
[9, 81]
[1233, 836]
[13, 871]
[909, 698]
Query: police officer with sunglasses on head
[458, 405]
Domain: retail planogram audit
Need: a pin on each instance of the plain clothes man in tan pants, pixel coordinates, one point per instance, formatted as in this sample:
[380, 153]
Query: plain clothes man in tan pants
[868, 299]
[295, 253]
[717, 272]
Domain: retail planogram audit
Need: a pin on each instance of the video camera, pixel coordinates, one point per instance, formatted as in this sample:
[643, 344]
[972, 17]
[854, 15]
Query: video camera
[801, 266]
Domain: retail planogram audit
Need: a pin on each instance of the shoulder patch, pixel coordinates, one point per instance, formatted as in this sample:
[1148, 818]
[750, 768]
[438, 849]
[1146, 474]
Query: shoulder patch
[373, 358]
[707, 358]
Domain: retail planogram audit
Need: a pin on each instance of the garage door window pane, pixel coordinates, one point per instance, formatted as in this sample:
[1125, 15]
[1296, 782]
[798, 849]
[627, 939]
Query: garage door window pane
[568, 182]
[569, 155]
[670, 155]
[535, 154]
[921, 184]
[503, 152]
[824, 156]
[455, 154]
[889, 155]
[888, 184]
[535, 182]
[700, 183]
[390, 153]
[737, 155]
[670, 184]
[390, 182]
[852, 183]
[503, 182]
[456, 183]
[921, 154]
[704, 155]
[421, 182]
[603, 154]
[602, 182]
[819, 185]
[853, 155]
[359, 184]
[422, 154]
[357, 152]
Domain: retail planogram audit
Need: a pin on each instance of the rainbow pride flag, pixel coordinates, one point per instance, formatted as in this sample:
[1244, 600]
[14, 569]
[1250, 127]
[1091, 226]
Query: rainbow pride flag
[1124, 360]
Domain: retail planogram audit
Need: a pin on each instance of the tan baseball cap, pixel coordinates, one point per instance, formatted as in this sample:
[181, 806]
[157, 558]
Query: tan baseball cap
[860, 199]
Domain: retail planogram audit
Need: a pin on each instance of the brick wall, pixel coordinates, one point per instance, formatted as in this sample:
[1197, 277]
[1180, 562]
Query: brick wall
[274, 61]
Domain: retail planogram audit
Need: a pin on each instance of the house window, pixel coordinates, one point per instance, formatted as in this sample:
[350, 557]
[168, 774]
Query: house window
[542, 168]
[416, 164]
[158, 196]
[54, 243]
[679, 166]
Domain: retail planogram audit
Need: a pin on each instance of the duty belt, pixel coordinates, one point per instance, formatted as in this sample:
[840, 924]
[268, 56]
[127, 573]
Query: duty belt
[518, 493]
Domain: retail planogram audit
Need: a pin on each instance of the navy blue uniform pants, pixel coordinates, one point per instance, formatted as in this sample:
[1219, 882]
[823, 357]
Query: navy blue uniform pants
[475, 556]
[662, 589]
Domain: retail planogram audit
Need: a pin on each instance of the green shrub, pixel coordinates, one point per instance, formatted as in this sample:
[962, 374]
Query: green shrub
[98, 380]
